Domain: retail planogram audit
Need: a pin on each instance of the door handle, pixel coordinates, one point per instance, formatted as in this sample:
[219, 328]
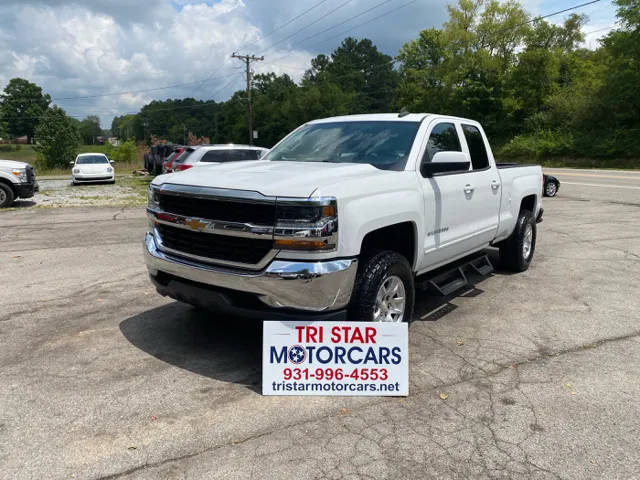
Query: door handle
[468, 188]
[495, 185]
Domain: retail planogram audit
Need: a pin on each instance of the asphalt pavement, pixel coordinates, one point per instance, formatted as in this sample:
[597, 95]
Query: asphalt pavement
[101, 378]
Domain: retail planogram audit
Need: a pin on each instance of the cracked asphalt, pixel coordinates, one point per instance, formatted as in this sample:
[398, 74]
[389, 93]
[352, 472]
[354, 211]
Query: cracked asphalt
[101, 378]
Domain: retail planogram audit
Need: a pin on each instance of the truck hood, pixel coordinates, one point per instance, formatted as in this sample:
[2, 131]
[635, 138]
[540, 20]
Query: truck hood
[12, 164]
[288, 179]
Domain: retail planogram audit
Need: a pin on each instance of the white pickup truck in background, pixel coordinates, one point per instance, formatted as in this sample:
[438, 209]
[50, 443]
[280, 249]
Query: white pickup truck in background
[17, 180]
[339, 218]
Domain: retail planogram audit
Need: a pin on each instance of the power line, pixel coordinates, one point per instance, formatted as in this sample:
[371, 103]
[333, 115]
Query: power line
[545, 16]
[286, 23]
[388, 12]
[144, 90]
[345, 21]
[601, 29]
[342, 5]
[393, 10]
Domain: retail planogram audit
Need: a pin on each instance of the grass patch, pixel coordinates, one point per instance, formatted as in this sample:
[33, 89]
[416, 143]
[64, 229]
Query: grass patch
[139, 184]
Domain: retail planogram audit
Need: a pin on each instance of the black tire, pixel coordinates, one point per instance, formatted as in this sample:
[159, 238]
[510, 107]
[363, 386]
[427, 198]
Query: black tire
[551, 189]
[512, 252]
[6, 195]
[373, 270]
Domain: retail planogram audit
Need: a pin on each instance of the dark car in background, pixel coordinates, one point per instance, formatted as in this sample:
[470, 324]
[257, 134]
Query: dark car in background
[551, 186]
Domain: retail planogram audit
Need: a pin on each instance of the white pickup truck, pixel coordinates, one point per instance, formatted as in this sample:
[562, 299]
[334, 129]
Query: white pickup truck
[339, 218]
[17, 180]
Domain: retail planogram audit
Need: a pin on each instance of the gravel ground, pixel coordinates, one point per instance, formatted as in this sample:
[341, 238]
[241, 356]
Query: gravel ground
[56, 193]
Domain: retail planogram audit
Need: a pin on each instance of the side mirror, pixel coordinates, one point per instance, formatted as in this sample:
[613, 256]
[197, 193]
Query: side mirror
[72, 163]
[445, 162]
[111, 162]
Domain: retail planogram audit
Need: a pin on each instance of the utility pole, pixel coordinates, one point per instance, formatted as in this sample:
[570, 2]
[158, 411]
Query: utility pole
[247, 59]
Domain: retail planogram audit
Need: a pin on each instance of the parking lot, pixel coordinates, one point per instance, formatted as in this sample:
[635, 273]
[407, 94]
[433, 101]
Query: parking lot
[533, 375]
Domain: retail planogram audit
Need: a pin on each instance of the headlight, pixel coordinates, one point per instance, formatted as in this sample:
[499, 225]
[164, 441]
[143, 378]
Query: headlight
[76, 170]
[306, 224]
[109, 169]
[21, 173]
[153, 202]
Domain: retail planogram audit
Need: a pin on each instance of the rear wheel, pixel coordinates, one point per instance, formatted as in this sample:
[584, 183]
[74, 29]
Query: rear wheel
[384, 289]
[516, 252]
[6, 195]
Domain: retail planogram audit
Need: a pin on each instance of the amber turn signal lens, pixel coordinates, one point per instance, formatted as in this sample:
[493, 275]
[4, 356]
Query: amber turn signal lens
[329, 211]
[295, 244]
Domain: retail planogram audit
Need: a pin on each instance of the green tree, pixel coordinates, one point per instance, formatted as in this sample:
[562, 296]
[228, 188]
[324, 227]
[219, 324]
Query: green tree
[89, 129]
[124, 127]
[22, 105]
[58, 138]
[358, 68]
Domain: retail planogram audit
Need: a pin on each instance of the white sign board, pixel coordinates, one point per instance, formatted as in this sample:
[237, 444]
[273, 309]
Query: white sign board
[335, 358]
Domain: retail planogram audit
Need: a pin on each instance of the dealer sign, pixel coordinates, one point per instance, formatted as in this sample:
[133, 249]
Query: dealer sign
[335, 358]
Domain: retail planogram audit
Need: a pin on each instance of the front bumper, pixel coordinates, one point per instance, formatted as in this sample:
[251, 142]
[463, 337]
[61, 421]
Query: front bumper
[103, 177]
[27, 190]
[316, 287]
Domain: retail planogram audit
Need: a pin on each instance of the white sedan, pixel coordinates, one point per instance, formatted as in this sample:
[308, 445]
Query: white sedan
[92, 167]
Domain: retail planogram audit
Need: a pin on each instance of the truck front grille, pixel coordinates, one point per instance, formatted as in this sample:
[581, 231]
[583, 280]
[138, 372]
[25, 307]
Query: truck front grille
[216, 247]
[225, 210]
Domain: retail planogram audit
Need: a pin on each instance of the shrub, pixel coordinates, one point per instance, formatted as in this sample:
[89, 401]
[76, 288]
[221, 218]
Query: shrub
[539, 144]
[123, 153]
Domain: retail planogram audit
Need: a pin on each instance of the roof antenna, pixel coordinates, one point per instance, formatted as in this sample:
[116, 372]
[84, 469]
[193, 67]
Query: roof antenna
[403, 113]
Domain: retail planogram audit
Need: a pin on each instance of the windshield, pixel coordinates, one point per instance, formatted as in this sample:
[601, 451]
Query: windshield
[385, 145]
[229, 155]
[91, 159]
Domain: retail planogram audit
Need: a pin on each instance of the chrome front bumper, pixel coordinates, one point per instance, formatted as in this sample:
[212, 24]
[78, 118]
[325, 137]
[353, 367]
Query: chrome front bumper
[310, 286]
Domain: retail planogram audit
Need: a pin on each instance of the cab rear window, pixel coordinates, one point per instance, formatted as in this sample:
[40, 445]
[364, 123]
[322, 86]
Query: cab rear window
[228, 155]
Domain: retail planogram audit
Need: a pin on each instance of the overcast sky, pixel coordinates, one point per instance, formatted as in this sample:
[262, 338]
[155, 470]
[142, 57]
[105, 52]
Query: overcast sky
[96, 47]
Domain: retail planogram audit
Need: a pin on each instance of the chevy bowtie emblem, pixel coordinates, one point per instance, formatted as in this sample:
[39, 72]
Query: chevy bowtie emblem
[195, 224]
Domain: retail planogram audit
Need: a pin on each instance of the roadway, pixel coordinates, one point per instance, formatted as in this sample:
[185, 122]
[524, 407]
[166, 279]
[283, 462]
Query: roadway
[612, 185]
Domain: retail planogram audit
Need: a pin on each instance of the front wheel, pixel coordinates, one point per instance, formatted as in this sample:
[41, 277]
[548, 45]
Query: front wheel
[516, 252]
[384, 289]
[6, 195]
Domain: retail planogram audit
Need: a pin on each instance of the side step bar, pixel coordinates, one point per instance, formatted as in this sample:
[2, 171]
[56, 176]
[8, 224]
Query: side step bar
[449, 280]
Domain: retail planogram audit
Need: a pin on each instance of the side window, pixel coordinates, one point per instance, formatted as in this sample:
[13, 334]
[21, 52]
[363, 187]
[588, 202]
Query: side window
[477, 149]
[443, 138]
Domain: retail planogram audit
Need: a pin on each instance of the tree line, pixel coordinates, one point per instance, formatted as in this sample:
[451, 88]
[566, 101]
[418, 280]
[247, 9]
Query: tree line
[537, 92]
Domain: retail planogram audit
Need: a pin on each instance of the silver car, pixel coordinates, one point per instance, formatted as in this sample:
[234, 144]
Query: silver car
[221, 153]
